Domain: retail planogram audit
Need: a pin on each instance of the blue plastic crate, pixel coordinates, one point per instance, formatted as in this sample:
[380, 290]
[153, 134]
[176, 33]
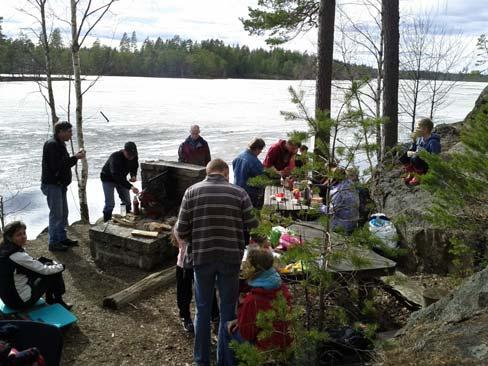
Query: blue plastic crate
[5, 310]
[54, 314]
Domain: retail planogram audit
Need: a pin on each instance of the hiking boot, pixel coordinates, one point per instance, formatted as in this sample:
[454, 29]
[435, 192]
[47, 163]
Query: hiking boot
[57, 247]
[188, 325]
[70, 243]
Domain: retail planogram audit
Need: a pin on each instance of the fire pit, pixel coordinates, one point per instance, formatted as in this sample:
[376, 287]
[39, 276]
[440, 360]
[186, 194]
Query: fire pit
[120, 240]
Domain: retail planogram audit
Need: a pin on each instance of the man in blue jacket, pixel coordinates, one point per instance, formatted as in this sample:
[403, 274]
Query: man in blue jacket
[247, 165]
[425, 140]
[56, 177]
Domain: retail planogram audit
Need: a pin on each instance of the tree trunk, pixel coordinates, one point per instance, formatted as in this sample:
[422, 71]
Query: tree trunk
[379, 86]
[75, 53]
[324, 68]
[390, 21]
[47, 56]
[145, 286]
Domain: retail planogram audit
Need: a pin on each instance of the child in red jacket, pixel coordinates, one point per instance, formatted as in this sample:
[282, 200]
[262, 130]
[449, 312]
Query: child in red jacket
[265, 285]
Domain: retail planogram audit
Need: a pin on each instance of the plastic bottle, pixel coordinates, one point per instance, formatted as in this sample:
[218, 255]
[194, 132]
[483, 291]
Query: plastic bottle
[123, 210]
[135, 204]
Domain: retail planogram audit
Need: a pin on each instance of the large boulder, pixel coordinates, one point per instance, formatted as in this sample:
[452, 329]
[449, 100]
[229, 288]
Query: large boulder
[453, 331]
[427, 247]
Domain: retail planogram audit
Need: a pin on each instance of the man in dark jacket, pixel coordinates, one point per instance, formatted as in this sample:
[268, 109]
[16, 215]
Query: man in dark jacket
[56, 177]
[114, 176]
[194, 150]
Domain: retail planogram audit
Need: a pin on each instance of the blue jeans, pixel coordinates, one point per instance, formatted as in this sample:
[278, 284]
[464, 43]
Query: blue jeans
[108, 191]
[58, 211]
[226, 276]
[226, 354]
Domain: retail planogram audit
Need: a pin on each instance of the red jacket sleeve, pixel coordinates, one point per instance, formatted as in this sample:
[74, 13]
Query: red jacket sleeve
[272, 155]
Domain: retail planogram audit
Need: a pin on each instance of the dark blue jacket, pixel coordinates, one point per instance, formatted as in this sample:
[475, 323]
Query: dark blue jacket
[246, 165]
[431, 145]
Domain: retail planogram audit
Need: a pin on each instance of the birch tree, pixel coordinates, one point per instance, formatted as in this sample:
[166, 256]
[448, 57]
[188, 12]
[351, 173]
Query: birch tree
[39, 14]
[91, 15]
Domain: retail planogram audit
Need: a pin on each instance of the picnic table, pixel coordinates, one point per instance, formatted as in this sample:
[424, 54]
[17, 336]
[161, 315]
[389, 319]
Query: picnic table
[287, 203]
[374, 266]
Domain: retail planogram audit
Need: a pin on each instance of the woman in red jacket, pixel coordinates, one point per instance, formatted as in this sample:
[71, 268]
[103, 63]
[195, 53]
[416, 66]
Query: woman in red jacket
[265, 285]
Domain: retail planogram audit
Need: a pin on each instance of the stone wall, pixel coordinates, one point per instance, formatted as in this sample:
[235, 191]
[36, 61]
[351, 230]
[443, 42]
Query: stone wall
[110, 242]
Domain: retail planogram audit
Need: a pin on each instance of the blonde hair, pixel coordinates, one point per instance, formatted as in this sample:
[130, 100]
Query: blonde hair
[426, 123]
[217, 166]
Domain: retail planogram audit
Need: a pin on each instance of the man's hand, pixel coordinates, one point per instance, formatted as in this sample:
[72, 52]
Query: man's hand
[133, 179]
[410, 153]
[285, 172]
[80, 154]
[232, 326]
[134, 190]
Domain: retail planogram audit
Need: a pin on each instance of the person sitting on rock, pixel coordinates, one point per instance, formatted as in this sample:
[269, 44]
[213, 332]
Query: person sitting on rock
[424, 139]
[265, 285]
[23, 279]
[344, 202]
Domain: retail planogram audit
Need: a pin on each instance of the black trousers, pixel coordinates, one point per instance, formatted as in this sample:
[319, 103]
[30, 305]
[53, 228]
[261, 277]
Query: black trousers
[184, 293]
[52, 286]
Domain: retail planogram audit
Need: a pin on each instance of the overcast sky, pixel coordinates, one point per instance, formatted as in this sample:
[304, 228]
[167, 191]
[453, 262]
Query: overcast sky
[204, 19]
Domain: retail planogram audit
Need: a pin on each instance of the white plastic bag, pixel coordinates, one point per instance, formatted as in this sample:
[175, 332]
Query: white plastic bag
[381, 227]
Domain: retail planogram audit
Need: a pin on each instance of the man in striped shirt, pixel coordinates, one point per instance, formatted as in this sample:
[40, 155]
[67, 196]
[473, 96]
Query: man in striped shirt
[212, 217]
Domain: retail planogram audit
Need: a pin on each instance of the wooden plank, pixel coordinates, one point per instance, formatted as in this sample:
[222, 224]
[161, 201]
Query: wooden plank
[145, 233]
[404, 289]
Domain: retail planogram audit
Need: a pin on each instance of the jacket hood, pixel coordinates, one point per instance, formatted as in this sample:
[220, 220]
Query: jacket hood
[267, 280]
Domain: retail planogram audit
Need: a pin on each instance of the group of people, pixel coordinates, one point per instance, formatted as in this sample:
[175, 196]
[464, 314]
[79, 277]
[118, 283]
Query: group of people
[212, 232]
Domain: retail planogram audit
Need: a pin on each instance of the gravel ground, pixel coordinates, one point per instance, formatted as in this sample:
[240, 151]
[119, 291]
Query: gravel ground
[147, 332]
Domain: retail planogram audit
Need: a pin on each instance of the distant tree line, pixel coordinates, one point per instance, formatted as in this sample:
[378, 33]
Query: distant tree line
[175, 57]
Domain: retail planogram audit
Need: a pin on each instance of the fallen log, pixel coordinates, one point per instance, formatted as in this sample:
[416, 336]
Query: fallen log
[152, 282]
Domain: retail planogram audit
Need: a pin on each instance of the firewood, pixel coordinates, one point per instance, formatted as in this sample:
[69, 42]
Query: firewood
[145, 233]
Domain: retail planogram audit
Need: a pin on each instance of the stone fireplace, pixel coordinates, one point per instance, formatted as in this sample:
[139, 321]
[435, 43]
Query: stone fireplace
[163, 186]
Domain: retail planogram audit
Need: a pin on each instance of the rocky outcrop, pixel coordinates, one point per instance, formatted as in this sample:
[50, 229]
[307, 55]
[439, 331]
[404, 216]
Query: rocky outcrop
[453, 331]
[427, 246]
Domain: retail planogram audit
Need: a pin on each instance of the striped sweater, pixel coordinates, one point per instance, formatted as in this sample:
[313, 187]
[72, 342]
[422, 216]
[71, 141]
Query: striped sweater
[212, 217]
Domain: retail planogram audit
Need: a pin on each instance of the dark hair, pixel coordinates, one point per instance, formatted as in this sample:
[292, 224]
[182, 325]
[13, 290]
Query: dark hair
[217, 166]
[10, 229]
[256, 143]
[62, 126]
[131, 148]
[294, 142]
[304, 148]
